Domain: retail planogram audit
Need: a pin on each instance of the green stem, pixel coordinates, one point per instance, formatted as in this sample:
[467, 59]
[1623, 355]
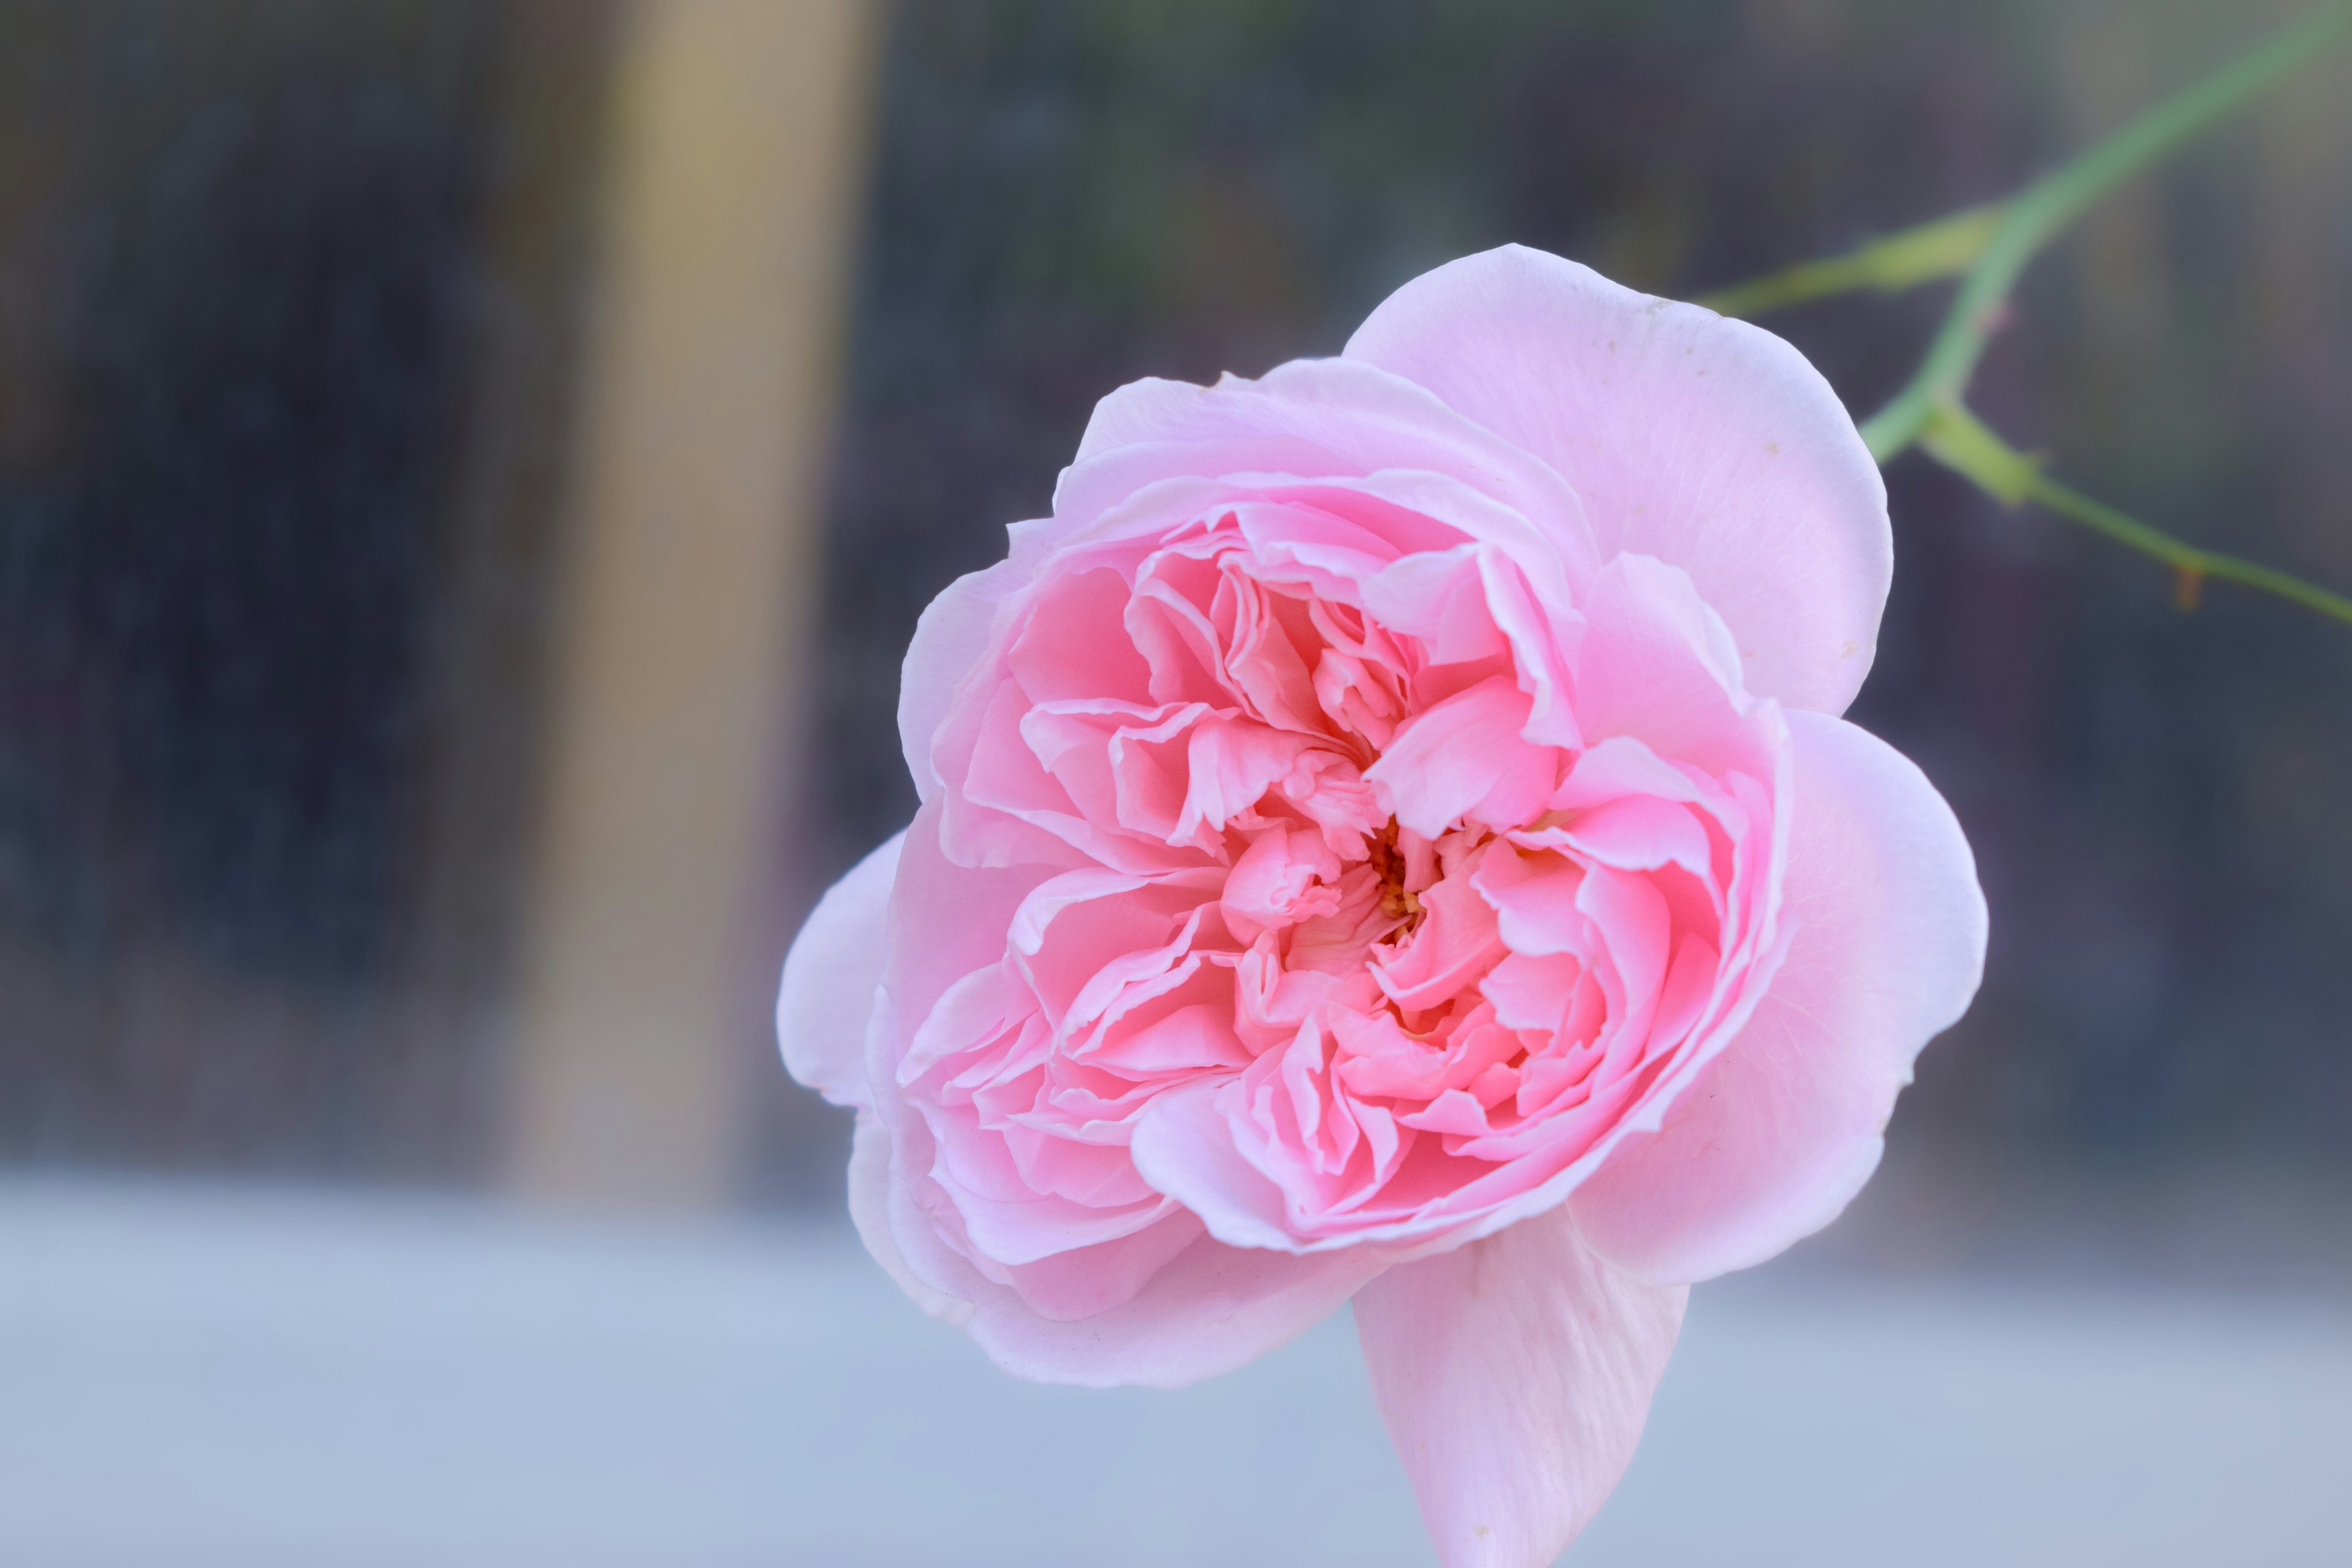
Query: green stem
[1945, 247]
[1964, 444]
[2051, 203]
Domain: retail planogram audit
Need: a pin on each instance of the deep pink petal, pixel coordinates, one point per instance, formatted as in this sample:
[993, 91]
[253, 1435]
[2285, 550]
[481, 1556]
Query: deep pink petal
[830, 978]
[1708, 443]
[1453, 949]
[1514, 1375]
[1784, 1126]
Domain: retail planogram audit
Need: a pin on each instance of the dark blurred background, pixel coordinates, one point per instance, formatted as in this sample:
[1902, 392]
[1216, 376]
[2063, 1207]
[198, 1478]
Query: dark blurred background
[299, 316]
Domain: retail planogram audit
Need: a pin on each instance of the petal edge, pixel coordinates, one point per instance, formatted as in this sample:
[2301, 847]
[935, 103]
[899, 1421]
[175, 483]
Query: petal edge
[1515, 1374]
[825, 995]
[1706, 442]
[1784, 1127]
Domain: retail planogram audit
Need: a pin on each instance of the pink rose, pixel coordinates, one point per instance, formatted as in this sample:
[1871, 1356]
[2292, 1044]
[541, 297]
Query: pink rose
[1389, 834]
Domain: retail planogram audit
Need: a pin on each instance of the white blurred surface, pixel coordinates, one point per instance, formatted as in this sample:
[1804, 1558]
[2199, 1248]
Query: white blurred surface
[232, 1377]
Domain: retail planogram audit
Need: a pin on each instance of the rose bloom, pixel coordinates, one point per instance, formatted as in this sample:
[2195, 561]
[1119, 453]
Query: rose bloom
[1388, 836]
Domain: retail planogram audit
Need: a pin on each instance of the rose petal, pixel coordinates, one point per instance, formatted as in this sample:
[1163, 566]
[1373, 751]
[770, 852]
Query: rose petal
[1784, 1127]
[1312, 419]
[1207, 1310]
[1514, 1375]
[1210, 1309]
[1184, 1147]
[830, 976]
[1657, 666]
[1463, 757]
[1707, 443]
[870, 1211]
[949, 649]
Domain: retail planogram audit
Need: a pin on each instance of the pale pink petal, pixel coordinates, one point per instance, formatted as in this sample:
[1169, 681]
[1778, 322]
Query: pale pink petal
[1638, 833]
[1184, 1147]
[1654, 667]
[1514, 1375]
[1210, 1308]
[870, 1211]
[946, 921]
[1531, 991]
[1151, 410]
[1314, 419]
[1088, 1282]
[830, 978]
[1464, 757]
[950, 649]
[1439, 597]
[1781, 1130]
[1535, 899]
[1209, 1311]
[1072, 643]
[1707, 443]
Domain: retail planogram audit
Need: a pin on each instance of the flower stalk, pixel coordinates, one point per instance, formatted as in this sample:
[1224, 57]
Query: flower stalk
[1942, 247]
[1989, 248]
[1960, 441]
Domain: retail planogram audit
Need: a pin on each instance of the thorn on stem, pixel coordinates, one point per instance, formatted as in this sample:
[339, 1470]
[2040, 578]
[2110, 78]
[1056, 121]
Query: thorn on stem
[2187, 586]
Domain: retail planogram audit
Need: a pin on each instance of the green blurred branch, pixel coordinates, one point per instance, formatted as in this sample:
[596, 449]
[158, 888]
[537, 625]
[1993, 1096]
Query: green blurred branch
[1964, 444]
[2039, 212]
[1890, 264]
[1991, 247]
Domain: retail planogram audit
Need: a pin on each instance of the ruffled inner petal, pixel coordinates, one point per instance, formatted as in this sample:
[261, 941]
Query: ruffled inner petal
[1412, 874]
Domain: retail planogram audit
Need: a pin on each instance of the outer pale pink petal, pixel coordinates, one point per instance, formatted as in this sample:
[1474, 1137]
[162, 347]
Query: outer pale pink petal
[1784, 1127]
[1318, 419]
[870, 1211]
[1707, 443]
[949, 649]
[830, 975]
[1210, 1309]
[1207, 1310]
[1515, 1374]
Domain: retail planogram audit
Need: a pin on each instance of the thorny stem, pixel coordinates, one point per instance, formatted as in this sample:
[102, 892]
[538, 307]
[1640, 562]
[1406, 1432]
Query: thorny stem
[1992, 246]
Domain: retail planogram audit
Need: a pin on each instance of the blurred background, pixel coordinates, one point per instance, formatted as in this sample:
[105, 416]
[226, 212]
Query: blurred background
[470, 468]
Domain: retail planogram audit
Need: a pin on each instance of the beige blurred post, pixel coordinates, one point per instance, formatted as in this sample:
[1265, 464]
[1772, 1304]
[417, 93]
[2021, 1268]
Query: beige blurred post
[679, 660]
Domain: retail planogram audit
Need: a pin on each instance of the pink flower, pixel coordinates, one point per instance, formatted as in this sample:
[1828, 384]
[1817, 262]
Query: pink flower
[1389, 834]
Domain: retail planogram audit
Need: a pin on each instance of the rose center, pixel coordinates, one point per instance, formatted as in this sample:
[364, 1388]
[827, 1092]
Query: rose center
[1397, 902]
